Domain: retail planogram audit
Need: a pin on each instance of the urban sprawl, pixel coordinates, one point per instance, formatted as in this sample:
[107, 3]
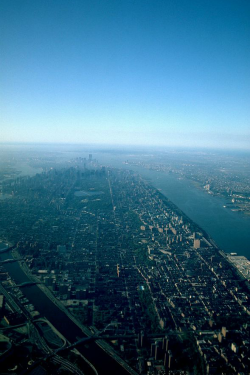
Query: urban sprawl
[126, 265]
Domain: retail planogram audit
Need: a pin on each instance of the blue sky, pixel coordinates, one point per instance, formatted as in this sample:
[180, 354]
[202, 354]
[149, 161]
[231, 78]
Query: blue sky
[134, 72]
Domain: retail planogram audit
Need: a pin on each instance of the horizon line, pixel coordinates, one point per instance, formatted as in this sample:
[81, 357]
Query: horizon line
[125, 145]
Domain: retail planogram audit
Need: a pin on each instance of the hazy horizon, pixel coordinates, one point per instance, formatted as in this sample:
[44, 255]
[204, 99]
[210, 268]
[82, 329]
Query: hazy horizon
[105, 147]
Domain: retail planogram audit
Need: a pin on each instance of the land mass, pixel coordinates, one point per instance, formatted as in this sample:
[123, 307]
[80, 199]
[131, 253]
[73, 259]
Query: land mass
[112, 249]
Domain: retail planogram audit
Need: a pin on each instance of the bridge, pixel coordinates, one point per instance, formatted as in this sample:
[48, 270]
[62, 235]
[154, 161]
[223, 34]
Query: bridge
[56, 354]
[11, 260]
[25, 283]
[109, 337]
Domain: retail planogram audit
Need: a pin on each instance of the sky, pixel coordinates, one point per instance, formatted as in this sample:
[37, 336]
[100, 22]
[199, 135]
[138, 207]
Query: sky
[126, 72]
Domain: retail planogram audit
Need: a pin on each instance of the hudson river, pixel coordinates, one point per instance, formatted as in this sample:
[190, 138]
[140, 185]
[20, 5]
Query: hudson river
[229, 229]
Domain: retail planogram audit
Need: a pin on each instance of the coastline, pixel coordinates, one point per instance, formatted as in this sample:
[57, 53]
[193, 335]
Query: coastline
[86, 331]
[199, 186]
[102, 344]
[47, 292]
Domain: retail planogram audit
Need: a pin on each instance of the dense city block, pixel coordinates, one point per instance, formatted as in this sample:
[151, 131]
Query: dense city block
[129, 266]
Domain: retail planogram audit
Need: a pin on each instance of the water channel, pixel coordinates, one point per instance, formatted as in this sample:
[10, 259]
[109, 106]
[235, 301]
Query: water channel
[103, 362]
[230, 230]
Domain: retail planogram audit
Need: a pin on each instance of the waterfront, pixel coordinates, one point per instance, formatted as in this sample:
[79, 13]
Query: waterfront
[229, 229]
[102, 361]
[62, 321]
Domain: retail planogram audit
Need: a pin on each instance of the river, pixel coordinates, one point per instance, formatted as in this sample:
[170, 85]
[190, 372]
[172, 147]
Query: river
[103, 362]
[229, 229]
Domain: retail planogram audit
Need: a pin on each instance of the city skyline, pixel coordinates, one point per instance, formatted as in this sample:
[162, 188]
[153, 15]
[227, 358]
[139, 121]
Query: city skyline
[130, 73]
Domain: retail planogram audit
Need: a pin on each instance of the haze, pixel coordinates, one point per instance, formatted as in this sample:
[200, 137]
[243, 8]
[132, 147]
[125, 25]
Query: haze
[168, 73]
